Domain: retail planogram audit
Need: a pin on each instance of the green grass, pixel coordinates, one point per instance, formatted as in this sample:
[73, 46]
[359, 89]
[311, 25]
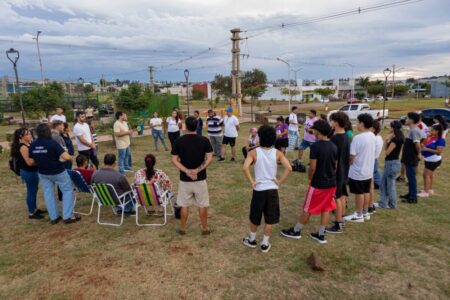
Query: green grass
[399, 254]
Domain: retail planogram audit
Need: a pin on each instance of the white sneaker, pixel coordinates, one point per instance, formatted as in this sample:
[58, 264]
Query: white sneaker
[376, 204]
[431, 192]
[354, 218]
[423, 194]
[366, 216]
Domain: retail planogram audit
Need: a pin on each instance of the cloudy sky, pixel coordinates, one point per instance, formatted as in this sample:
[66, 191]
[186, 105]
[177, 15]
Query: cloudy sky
[120, 39]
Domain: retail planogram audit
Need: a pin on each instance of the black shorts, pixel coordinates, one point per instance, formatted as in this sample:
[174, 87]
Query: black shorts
[432, 165]
[341, 190]
[284, 143]
[267, 203]
[359, 187]
[229, 140]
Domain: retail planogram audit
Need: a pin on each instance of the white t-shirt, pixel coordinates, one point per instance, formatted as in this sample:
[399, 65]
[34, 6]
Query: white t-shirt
[173, 125]
[156, 123]
[85, 131]
[58, 118]
[230, 126]
[363, 148]
[378, 146]
[293, 117]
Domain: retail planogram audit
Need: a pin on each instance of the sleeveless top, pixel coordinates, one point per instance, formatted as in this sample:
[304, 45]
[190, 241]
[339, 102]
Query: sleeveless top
[266, 169]
[22, 163]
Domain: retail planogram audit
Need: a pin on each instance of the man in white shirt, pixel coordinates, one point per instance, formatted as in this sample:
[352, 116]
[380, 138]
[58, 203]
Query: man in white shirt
[58, 116]
[362, 158]
[122, 134]
[293, 129]
[83, 138]
[231, 124]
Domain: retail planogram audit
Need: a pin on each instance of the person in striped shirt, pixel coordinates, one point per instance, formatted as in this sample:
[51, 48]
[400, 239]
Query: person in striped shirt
[214, 125]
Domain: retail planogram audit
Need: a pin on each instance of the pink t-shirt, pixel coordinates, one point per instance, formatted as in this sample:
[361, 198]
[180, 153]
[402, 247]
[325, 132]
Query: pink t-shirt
[309, 137]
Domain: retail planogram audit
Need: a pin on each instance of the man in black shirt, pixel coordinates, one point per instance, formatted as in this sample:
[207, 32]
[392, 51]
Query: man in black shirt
[192, 154]
[340, 139]
[322, 173]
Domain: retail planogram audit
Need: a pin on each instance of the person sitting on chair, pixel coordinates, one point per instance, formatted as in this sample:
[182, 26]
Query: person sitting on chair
[82, 168]
[150, 174]
[109, 175]
[252, 142]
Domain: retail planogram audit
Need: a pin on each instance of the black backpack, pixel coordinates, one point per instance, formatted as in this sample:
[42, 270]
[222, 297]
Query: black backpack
[297, 166]
[14, 166]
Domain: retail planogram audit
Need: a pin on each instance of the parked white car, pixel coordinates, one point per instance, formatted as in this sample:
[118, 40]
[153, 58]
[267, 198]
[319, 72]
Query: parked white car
[354, 110]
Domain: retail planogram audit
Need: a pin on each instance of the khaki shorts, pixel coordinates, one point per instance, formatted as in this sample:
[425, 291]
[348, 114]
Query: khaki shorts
[193, 194]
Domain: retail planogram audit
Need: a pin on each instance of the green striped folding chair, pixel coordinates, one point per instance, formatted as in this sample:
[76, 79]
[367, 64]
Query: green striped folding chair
[107, 196]
[148, 195]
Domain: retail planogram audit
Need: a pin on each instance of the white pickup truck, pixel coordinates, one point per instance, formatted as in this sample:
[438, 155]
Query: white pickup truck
[354, 110]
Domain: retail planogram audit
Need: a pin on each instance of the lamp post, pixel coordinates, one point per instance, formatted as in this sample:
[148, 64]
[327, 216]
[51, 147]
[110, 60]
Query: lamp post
[386, 73]
[39, 55]
[13, 56]
[295, 76]
[353, 80]
[186, 75]
[289, 80]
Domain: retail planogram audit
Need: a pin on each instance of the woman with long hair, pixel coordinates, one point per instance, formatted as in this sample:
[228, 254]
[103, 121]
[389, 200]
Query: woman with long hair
[282, 131]
[392, 165]
[441, 121]
[157, 130]
[432, 155]
[28, 171]
[173, 127]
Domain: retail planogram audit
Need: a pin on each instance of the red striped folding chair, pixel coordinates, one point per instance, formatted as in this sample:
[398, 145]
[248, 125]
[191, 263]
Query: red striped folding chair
[148, 195]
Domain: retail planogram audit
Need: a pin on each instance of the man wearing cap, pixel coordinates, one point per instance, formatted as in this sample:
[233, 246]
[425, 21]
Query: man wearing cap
[322, 175]
[231, 124]
[214, 125]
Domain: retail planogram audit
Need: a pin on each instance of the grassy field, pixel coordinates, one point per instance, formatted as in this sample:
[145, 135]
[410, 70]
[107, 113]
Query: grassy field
[398, 254]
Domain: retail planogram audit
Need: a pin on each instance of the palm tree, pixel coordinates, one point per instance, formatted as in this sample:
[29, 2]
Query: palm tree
[364, 83]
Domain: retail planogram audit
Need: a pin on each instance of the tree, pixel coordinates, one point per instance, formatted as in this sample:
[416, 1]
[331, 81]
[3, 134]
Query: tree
[222, 84]
[375, 88]
[133, 99]
[292, 92]
[324, 92]
[87, 89]
[364, 83]
[253, 85]
[43, 99]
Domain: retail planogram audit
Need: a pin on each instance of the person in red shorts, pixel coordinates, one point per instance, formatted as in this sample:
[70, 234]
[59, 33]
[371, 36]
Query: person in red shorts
[322, 187]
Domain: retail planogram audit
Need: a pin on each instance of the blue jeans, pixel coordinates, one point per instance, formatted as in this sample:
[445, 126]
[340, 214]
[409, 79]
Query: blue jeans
[388, 189]
[158, 134]
[412, 181]
[31, 180]
[65, 184]
[124, 159]
[293, 139]
[376, 173]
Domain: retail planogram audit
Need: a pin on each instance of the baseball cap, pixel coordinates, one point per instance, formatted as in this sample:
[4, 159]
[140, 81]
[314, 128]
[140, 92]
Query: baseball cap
[229, 109]
[322, 126]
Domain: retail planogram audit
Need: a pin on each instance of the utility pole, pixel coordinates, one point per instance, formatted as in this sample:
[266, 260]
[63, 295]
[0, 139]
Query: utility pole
[152, 84]
[289, 80]
[393, 81]
[39, 55]
[236, 68]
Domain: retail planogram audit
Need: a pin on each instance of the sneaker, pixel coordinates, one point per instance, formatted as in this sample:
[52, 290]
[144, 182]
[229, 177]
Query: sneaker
[248, 243]
[35, 216]
[376, 204]
[371, 210]
[55, 221]
[291, 233]
[40, 211]
[265, 248]
[354, 218]
[366, 216]
[221, 159]
[232, 159]
[410, 201]
[320, 238]
[400, 179]
[423, 194]
[406, 196]
[333, 229]
[431, 192]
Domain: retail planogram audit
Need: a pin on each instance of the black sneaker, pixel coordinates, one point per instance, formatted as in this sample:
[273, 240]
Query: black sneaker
[221, 159]
[371, 210]
[55, 221]
[406, 196]
[334, 229]
[248, 243]
[35, 216]
[232, 159]
[40, 211]
[400, 179]
[291, 233]
[265, 248]
[320, 238]
[410, 201]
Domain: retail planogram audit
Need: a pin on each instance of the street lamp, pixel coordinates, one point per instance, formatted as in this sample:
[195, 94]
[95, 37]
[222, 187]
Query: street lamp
[186, 75]
[386, 73]
[295, 76]
[39, 55]
[13, 56]
[289, 80]
[353, 80]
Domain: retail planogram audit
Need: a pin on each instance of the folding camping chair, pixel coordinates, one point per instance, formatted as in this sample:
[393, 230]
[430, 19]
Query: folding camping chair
[148, 195]
[107, 196]
[81, 186]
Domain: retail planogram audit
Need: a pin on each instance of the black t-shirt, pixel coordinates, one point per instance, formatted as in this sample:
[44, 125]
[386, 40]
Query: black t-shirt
[342, 143]
[192, 150]
[395, 154]
[326, 154]
[46, 155]
[22, 164]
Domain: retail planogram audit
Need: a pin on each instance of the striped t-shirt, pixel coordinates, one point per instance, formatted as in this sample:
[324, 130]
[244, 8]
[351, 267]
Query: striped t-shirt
[214, 126]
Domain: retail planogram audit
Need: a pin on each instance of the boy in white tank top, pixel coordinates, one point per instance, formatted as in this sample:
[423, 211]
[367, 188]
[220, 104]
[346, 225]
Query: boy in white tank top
[265, 186]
